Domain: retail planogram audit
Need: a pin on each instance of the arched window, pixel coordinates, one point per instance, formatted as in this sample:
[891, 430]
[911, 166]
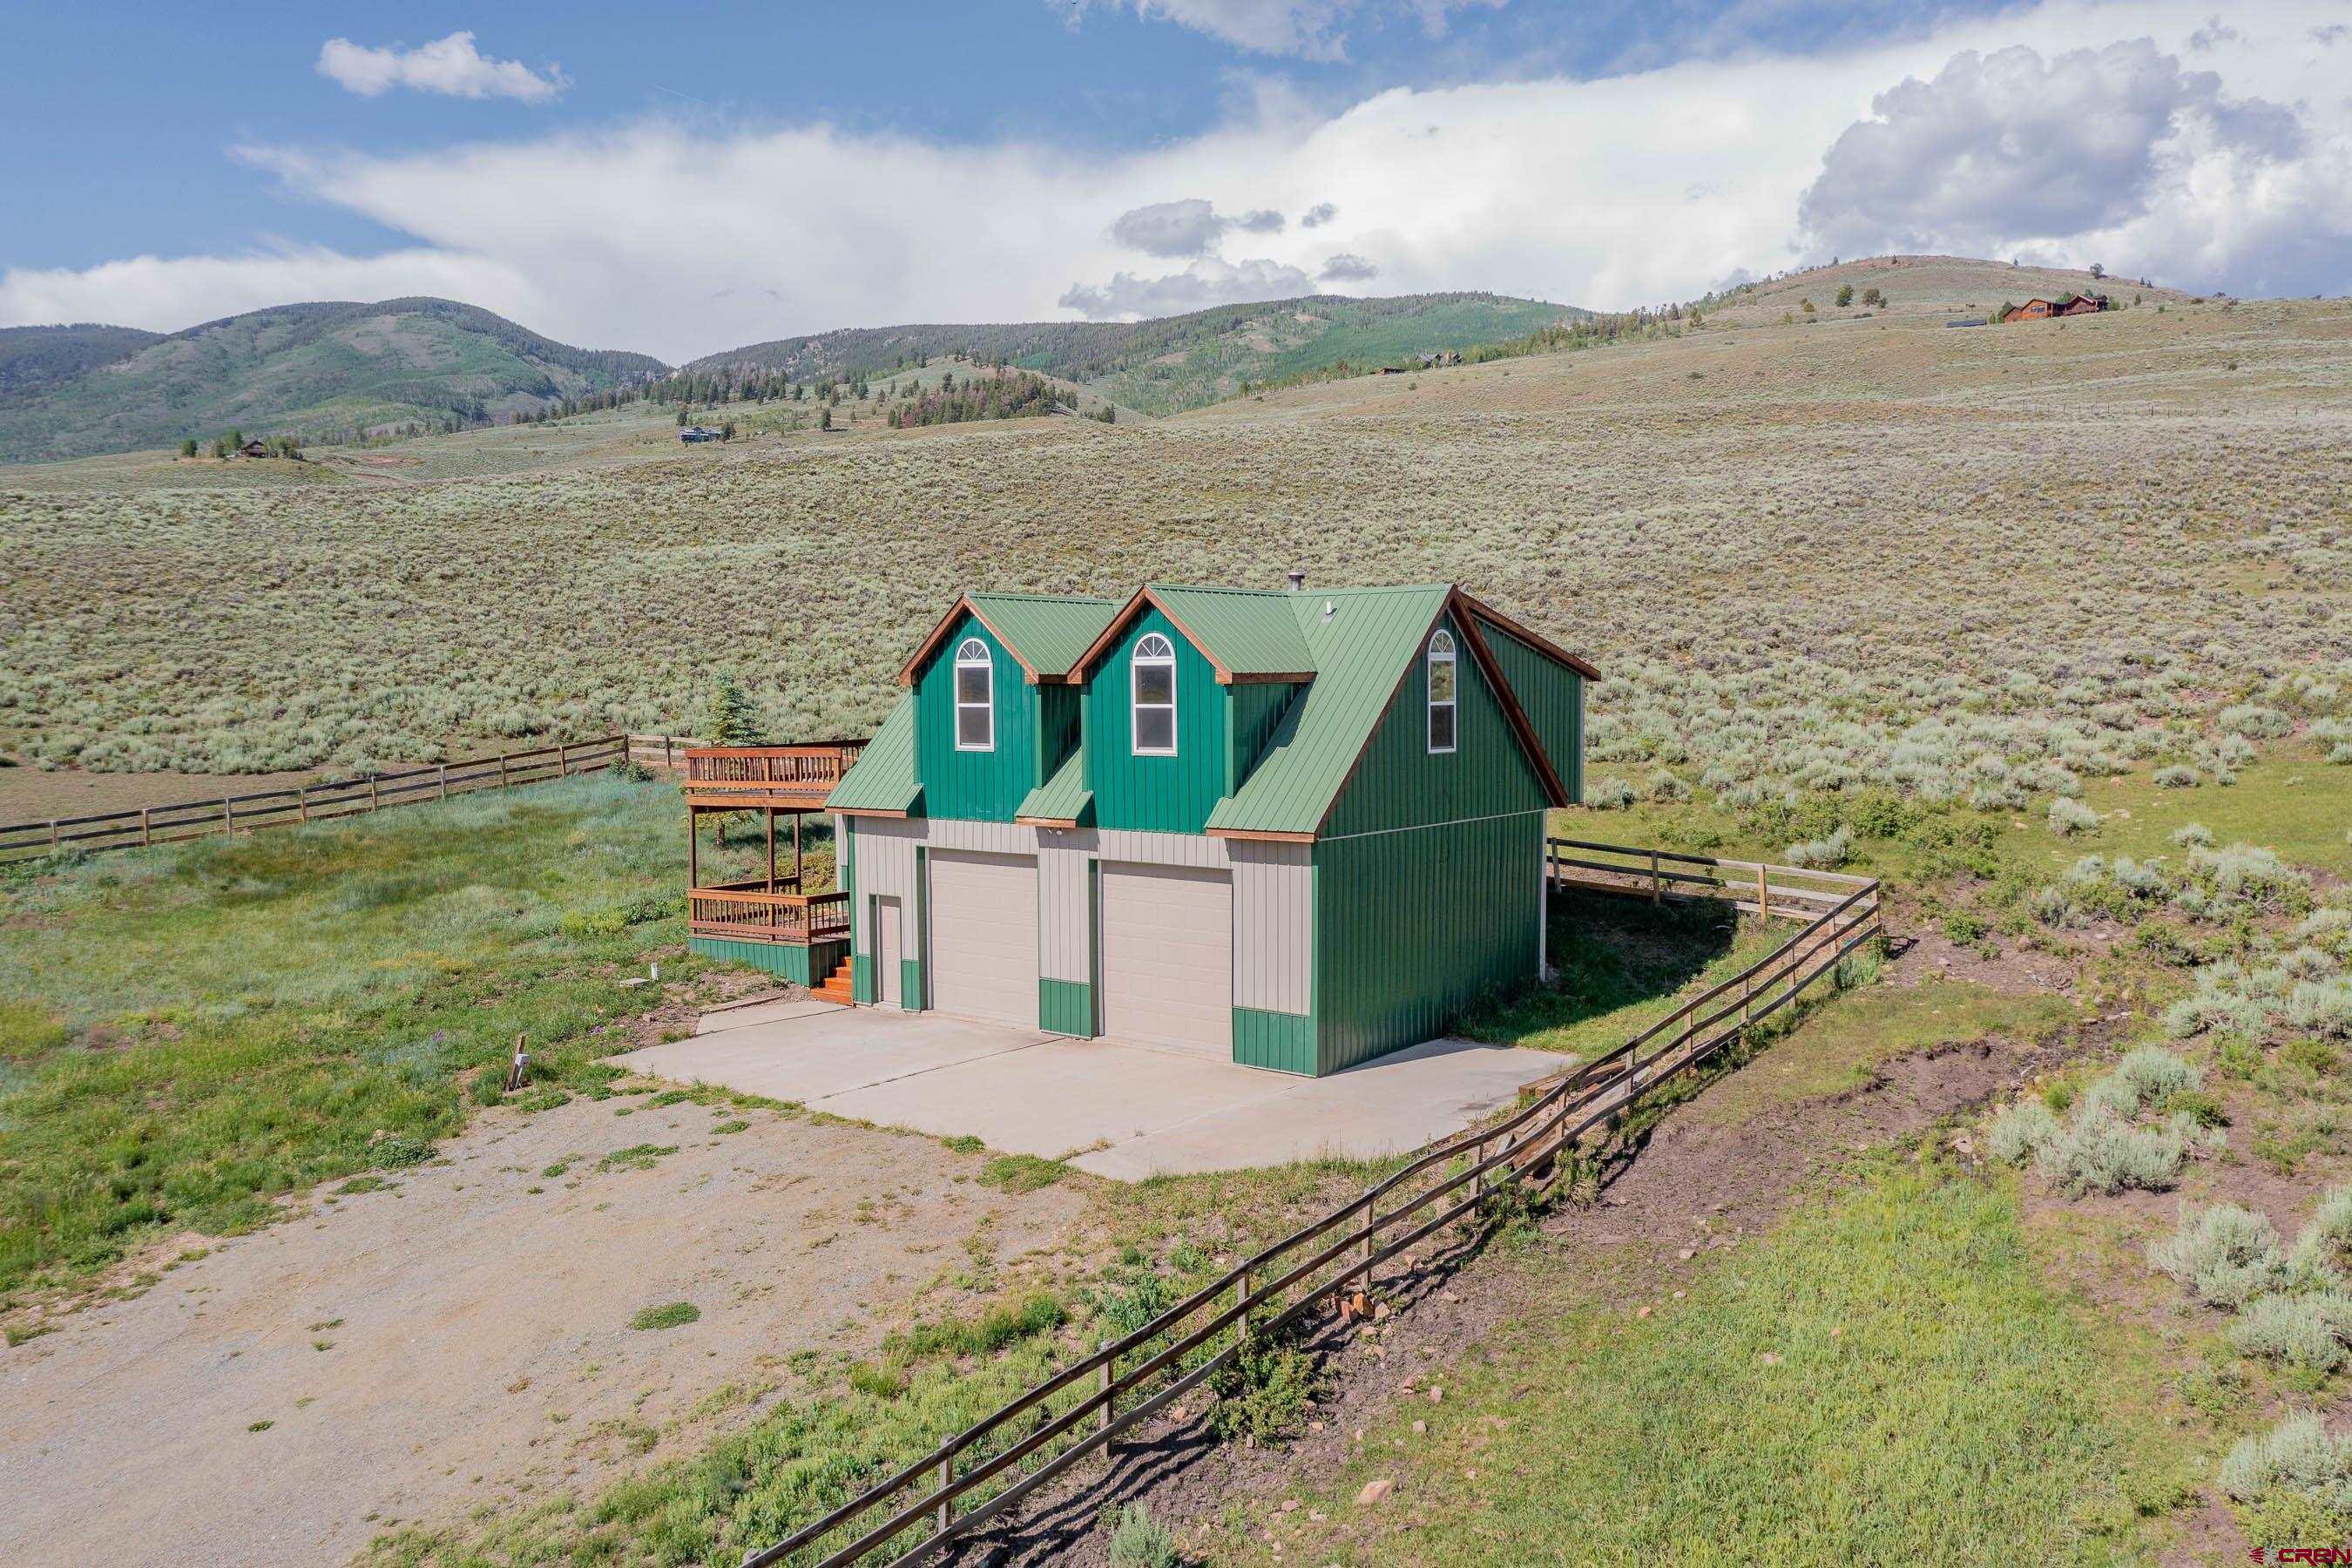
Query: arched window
[1153, 671]
[1441, 692]
[975, 697]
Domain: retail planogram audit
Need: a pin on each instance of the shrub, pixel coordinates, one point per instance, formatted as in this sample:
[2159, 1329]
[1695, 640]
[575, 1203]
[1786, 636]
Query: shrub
[2175, 777]
[2021, 1131]
[2308, 1332]
[1262, 1393]
[2223, 1254]
[1140, 1541]
[2100, 1154]
[2156, 1074]
[675, 1314]
[1821, 854]
[2193, 835]
[2291, 1482]
[2068, 817]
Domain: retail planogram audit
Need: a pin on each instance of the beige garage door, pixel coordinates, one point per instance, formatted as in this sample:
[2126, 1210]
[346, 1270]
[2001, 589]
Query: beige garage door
[985, 936]
[1167, 957]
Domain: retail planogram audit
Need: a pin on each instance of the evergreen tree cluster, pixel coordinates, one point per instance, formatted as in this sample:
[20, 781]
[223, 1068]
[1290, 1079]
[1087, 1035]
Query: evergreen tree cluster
[1017, 395]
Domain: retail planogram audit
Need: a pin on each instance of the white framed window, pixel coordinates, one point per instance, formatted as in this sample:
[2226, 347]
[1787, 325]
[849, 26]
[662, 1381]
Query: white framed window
[1152, 672]
[975, 697]
[1442, 677]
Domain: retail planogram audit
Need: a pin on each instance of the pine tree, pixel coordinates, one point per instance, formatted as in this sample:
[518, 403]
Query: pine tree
[732, 721]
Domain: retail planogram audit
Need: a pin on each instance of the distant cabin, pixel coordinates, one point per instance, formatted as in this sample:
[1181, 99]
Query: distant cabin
[2064, 305]
[253, 450]
[697, 433]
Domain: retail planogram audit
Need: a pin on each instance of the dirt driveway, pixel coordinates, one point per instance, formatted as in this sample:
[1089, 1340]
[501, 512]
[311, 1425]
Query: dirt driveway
[462, 1337]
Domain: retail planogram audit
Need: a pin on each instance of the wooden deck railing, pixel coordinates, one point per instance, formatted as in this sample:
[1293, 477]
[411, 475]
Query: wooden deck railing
[806, 768]
[747, 914]
[977, 1474]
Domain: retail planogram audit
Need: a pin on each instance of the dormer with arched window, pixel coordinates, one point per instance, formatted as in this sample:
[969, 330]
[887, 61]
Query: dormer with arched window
[1443, 672]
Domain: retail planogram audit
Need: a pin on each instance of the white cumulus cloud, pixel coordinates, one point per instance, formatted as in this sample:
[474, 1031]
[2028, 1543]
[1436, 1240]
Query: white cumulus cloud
[1206, 282]
[451, 64]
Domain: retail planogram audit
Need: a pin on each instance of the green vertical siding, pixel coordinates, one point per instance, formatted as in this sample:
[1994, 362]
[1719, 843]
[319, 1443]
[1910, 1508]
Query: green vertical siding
[1412, 927]
[1282, 1041]
[1057, 728]
[911, 985]
[1398, 783]
[800, 965]
[1066, 1007]
[1253, 708]
[983, 787]
[1165, 795]
[861, 979]
[1552, 697]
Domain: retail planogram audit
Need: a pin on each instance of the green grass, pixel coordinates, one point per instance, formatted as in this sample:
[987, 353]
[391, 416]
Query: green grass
[1927, 1397]
[675, 1314]
[1840, 1048]
[2293, 804]
[189, 1035]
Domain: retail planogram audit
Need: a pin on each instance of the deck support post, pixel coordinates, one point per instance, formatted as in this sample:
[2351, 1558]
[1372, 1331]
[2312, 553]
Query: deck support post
[693, 857]
[799, 886]
[770, 815]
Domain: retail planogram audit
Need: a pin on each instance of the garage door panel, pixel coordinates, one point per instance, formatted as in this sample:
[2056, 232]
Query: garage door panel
[1167, 957]
[983, 914]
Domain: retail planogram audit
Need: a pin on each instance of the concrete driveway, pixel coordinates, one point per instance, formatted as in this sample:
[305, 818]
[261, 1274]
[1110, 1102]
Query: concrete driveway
[1120, 1111]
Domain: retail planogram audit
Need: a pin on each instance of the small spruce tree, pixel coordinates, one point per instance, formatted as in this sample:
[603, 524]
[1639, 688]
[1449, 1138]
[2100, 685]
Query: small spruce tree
[732, 721]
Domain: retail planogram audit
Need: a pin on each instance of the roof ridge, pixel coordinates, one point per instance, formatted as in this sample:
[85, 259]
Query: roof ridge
[1041, 598]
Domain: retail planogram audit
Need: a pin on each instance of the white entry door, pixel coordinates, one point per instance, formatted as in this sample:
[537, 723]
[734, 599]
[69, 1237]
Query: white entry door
[1167, 957]
[983, 951]
[889, 947]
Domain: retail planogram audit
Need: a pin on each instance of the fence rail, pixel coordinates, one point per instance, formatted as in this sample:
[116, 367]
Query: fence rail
[1084, 1407]
[755, 915]
[1783, 892]
[316, 801]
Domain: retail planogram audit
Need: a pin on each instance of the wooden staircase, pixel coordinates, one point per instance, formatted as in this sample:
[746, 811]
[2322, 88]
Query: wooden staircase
[835, 986]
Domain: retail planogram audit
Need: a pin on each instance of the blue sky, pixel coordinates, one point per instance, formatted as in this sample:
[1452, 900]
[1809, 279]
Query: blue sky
[684, 178]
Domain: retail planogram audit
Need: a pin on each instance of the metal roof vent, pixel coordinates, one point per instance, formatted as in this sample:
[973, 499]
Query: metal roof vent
[1297, 580]
[1329, 609]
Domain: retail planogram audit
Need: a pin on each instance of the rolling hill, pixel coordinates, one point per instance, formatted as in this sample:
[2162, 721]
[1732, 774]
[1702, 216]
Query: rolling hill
[1175, 363]
[1916, 285]
[311, 369]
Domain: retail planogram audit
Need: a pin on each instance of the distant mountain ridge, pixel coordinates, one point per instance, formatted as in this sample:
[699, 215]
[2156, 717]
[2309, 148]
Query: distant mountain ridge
[305, 369]
[1173, 362]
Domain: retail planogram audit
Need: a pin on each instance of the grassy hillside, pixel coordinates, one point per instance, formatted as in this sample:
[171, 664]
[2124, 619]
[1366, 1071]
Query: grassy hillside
[1803, 559]
[1925, 285]
[308, 370]
[1178, 361]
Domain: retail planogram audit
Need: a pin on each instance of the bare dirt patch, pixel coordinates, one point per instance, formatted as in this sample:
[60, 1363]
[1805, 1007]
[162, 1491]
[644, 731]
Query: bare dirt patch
[460, 1336]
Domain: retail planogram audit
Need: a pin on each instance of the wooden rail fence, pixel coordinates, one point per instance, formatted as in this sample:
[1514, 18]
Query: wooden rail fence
[317, 801]
[1773, 892]
[980, 1472]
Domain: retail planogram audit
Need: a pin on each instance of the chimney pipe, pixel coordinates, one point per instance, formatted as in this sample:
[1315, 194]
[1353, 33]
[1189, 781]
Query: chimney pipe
[1297, 580]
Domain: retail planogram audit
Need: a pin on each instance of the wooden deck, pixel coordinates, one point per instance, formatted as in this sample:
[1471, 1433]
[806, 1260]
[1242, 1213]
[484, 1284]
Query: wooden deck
[747, 911]
[796, 777]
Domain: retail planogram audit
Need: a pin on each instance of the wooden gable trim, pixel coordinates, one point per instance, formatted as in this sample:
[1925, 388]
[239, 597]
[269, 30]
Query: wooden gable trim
[1457, 603]
[1261, 836]
[1534, 639]
[1146, 599]
[867, 811]
[930, 644]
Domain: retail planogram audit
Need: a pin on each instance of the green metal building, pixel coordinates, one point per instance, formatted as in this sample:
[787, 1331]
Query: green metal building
[1296, 830]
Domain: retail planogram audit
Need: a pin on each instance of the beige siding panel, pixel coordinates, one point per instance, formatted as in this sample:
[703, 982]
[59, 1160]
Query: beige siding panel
[1065, 946]
[1274, 926]
[1167, 957]
[886, 869]
[988, 837]
[983, 946]
[1163, 849]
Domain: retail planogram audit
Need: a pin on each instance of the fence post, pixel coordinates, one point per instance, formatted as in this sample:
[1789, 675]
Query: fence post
[53, 835]
[1103, 1382]
[372, 800]
[502, 770]
[666, 763]
[1657, 882]
[947, 1479]
[444, 780]
[1371, 1226]
[228, 816]
[302, 802]
[146, 828]
[562, 759]
[1241, 1300]
[1763, 898]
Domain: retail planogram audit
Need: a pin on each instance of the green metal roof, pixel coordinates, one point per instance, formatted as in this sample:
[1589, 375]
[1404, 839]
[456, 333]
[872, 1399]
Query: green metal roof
[1246, 631]
[1061, 798]
[1360, 652]
[883, 777]
[1045, 632]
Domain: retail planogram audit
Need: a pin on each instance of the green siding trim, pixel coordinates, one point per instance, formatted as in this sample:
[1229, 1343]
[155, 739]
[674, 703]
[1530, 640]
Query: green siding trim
[980, 787]
[1284, 1042]
[1160, 794]
[911, 985]
[800, 965]
[1552, 697]
[1400, 783]
[861, 979]
[1391, 971]
[1066, 1007]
